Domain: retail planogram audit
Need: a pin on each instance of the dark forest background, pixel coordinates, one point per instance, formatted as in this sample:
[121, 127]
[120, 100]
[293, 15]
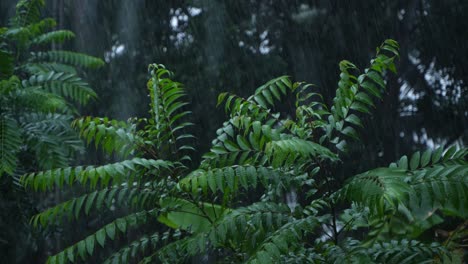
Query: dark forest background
[217, 46]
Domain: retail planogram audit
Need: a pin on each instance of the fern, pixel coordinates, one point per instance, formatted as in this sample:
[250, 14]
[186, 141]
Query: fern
[38, 87]
[10, 143]
[354, 93]
[111, 135]
[236, 204]
[68, 57]
[58, 36]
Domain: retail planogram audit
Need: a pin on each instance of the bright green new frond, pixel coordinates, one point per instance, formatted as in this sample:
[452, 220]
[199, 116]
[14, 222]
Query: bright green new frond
[10, 143]
[69, 57]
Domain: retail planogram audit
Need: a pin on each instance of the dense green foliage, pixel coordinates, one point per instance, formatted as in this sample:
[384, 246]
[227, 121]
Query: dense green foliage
[40, 90]
[38, 87]
[239, 204]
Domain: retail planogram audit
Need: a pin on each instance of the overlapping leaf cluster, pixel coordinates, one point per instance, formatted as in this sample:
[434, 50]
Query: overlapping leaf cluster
[262, 194]
[39, 91]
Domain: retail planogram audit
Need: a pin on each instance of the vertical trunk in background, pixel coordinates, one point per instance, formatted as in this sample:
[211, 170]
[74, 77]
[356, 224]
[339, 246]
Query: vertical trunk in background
[392, 126]
[214, 25]
[127, 25]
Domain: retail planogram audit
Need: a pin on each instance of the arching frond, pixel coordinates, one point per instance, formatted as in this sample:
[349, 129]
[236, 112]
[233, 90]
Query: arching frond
[112, 135]
[279, 242]
[68, 57]
[167, 125]
[10, 144]
[124, 171]
[354, 93]
[230, 179]
[138, 247]
[57, 36]
[408, 202]
[51, 138]
[27, 12]
[406, 251]
[87, 246]
[134, 197]
[66, 85]
[45, 67]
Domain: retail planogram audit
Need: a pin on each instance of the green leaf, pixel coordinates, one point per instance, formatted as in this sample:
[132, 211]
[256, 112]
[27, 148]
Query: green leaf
[90, 244]
[414, 163]
[426, 158]
[110, 229]
[101, 237]
[403, 163]
[437, 154]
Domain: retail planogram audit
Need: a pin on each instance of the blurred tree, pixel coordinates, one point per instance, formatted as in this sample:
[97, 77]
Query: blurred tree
[231, 45]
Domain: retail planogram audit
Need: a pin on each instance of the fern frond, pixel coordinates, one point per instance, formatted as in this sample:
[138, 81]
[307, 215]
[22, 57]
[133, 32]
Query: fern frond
[27, 12]
[107, 198]
[62, 84]
[45, 67]
[280, 242]
[10, 144]
[58, 36]
[231, 179]
[6, 64]
[112, 135]
[186, 215]
[430, 158]
[406, 202]
[406, 251]
[263, 98]
[124, 171]
[51, 138]
[244, 147]
[354, 93]
[167, 126]
[68, 57]
[37, 99]
[179, 251]
[143, 244]
[87, 246]
[293, 150]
